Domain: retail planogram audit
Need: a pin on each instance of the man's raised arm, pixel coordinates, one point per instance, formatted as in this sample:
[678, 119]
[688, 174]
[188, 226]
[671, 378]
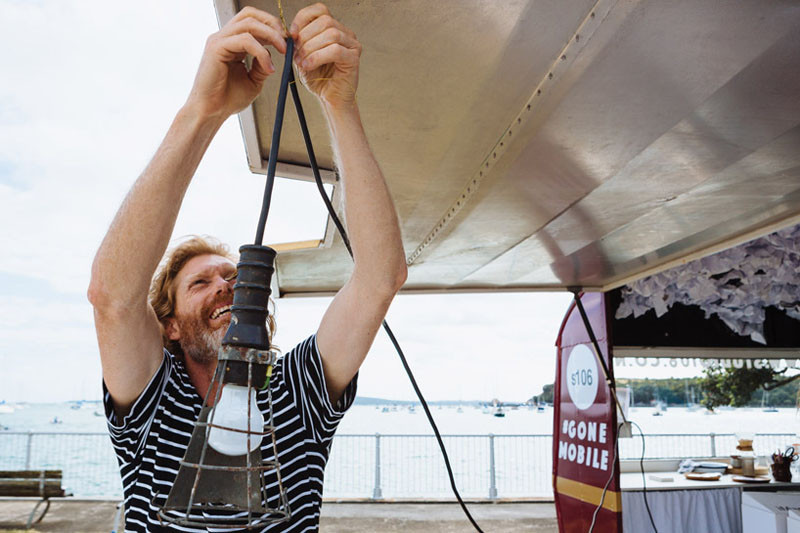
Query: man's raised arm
[128, 332]
[328, 57]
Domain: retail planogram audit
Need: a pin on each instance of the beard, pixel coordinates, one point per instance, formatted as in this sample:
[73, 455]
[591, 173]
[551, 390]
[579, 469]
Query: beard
[200, 343]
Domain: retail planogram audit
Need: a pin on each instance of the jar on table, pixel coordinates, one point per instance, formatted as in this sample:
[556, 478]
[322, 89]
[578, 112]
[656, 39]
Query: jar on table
[747, 457]
[748, 465]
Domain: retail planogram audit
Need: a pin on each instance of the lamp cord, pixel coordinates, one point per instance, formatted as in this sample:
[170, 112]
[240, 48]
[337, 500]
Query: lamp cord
[612, 386]
[276, 141]
[288, 80]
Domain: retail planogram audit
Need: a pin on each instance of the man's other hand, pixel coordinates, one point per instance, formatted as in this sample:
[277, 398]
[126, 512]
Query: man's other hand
[223, 85]
[327, 55]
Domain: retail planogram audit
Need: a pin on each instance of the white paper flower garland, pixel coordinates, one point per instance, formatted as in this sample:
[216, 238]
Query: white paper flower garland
[737, 284]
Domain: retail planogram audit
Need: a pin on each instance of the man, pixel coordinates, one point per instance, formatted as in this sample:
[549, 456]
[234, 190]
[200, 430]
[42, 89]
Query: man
[152, 395]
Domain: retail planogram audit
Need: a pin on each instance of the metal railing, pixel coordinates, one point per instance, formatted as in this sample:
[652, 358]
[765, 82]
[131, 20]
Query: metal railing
[677, 445]
[379, 466]
[87, 460]
[411, 466]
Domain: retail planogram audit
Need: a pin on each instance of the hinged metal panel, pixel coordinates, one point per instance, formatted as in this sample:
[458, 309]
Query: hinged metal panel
[539, 144]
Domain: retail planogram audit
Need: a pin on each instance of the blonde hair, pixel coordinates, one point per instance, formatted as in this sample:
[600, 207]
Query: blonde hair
[163, 287]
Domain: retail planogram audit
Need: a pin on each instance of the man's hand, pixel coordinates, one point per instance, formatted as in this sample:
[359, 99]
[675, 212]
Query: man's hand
[327, 55]
[223, 85]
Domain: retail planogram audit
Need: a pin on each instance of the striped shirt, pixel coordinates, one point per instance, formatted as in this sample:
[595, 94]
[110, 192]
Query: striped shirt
[152, 439]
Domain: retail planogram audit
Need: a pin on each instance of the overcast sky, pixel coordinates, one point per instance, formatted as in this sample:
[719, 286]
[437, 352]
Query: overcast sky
[88, 91]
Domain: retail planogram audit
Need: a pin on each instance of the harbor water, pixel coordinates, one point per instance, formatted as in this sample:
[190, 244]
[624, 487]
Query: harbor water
[505, 457]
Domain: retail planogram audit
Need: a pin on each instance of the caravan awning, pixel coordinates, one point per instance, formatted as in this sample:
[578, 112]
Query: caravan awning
[536, 145]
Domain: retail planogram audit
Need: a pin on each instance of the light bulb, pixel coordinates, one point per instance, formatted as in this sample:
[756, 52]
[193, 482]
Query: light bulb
[231, 412]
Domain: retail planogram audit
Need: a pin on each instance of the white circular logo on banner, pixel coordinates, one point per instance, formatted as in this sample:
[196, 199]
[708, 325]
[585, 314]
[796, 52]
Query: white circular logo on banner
[582, 376]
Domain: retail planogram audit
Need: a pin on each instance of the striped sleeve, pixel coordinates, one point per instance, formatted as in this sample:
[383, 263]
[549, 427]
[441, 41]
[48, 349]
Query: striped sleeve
[128, 434]
[306, 381]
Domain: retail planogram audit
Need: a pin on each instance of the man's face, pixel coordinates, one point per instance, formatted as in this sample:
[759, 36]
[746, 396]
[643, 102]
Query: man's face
[203, 297]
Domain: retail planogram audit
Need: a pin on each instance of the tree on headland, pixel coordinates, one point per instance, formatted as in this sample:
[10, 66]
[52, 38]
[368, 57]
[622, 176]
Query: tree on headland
[546, 396]
[737, 387]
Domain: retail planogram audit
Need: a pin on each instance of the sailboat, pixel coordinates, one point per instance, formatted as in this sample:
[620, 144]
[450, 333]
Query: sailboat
[764, 398]
[660, 407]
[691, 403]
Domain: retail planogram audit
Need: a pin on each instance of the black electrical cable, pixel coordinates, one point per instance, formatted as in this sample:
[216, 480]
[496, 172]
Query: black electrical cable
[612, 387]
[644, 483]
[276, 139]
[576, 294]
[312, 159]
[315, 169]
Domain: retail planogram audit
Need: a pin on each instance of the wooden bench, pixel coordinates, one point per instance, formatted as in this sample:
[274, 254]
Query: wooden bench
[44, 484]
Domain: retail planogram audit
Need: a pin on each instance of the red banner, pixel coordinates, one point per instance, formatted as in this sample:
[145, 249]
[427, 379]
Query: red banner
[584, 425]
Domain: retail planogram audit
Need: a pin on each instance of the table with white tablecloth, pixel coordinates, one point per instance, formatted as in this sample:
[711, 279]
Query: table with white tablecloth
[686, 506]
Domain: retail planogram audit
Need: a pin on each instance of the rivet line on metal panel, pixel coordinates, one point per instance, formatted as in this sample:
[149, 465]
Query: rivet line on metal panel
[577, 41]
